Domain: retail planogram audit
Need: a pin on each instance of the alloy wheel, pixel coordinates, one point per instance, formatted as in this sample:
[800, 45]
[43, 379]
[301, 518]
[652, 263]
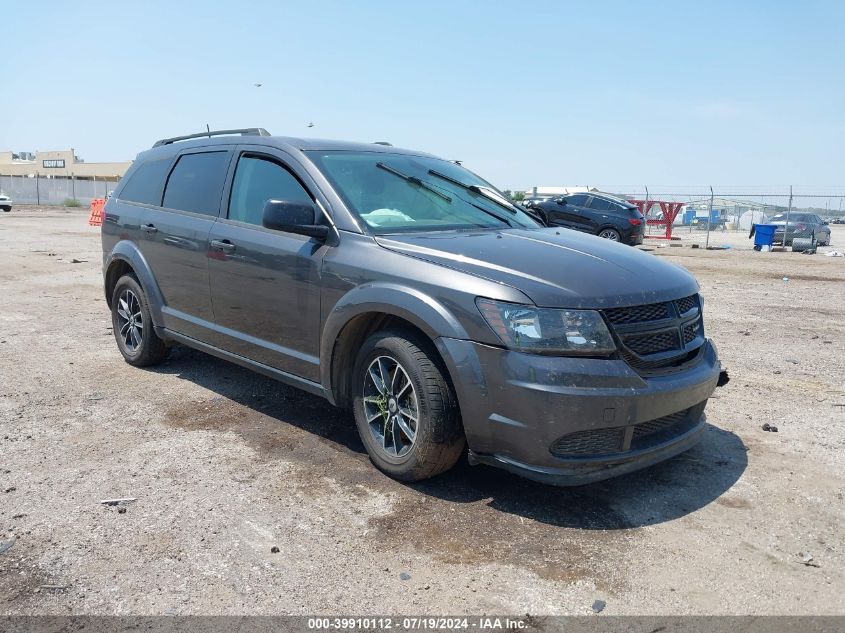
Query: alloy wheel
[391, 406]
[130, 321]
[610, 234]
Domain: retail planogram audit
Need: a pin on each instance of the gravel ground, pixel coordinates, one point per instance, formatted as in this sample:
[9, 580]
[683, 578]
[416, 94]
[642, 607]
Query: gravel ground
[253, 497]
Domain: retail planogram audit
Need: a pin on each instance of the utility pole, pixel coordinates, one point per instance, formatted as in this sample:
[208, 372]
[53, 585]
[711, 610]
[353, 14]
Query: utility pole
[709, 215]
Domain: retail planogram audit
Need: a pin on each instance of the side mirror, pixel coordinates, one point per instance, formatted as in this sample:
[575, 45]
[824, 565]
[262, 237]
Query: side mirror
[826, 222]
[293, 217]
[561, 201]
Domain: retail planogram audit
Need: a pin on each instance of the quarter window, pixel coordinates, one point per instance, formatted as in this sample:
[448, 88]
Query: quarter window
[600, 204]
[196, 183]
[258, 180]
[144, 185]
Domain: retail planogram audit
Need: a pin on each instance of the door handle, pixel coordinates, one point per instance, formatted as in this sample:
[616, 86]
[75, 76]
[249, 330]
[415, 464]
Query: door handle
[149, 229]
[223, 245]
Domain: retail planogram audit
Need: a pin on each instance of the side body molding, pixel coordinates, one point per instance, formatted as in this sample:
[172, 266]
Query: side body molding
[127, 251]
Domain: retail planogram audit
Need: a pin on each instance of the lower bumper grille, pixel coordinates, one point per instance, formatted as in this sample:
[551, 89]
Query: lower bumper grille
[615, 440]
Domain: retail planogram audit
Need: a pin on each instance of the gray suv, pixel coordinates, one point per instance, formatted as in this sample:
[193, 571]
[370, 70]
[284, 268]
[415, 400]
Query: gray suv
[408, 288]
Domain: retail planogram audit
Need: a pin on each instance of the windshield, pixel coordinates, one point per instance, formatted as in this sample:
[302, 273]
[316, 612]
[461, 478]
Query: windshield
[395, 193]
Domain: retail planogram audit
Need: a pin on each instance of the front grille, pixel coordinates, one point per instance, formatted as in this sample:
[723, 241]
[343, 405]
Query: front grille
[690, 332]
[645, 344]
[638, 314]
[609, 441]
[658, 336]
[686, 304]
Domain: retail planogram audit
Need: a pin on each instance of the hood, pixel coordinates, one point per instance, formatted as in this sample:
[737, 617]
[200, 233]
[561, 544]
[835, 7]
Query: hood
[554, 267]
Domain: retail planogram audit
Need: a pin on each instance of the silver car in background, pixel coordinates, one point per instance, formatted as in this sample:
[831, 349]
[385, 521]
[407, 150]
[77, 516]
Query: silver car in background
[801, 225]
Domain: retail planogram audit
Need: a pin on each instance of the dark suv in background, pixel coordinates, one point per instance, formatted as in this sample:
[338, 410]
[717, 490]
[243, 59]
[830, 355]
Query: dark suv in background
[409, 289]
[598, 213]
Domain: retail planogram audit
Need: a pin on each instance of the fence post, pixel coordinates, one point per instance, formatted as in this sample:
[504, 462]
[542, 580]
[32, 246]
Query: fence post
[788, 211]
[709, 215]
[38, 188]
[73, 186]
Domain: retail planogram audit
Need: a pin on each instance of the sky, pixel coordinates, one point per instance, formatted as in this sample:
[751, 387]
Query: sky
[661, 94]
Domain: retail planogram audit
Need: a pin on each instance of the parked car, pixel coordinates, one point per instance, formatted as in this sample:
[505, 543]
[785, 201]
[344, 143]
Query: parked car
[5, 202]
[801, 225]
[407, 288]
[597, 213]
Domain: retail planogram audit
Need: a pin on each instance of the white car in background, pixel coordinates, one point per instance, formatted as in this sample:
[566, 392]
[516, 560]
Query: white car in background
[5, 202]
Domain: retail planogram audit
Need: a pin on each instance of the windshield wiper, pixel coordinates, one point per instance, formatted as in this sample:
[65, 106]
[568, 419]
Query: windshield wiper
[482, 191]
[490, 213]
[414, 181]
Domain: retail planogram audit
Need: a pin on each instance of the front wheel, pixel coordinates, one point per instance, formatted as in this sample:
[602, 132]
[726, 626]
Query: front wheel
[610, 234]
[405, 410]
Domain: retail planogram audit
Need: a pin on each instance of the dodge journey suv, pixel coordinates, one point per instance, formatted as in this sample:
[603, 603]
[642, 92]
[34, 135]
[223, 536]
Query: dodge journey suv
[410, 290]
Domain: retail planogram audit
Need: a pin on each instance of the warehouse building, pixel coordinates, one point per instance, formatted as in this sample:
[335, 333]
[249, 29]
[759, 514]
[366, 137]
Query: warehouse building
[59, 164]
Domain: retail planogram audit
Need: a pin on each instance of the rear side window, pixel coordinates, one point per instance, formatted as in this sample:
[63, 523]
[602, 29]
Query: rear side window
[196, 183]
[144, 185]
[600, 204]
[258, 180]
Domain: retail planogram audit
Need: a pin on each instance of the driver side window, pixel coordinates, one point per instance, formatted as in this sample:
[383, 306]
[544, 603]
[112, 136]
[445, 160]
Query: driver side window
[258, 180]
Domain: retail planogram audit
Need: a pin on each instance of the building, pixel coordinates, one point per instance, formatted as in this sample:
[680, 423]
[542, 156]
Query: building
[60, 164]
[553, 192]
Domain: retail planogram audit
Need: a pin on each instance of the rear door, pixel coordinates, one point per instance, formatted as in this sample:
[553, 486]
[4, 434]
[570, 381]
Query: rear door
[597, 214]
[265, 284]
[175, 238]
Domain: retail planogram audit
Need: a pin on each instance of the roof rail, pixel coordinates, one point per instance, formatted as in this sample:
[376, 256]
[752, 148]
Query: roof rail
[247, 131]
[383, 143]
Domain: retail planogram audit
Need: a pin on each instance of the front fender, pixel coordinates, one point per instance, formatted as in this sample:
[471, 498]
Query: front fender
[127, 251]
[410, 304]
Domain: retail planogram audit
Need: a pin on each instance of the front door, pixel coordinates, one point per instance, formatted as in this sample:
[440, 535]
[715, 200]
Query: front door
[566, 212]
[265, 284]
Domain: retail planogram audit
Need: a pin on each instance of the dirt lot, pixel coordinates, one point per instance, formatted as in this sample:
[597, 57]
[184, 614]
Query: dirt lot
[226, 465]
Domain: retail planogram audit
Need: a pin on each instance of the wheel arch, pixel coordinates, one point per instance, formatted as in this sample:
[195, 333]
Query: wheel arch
[368, 309]
[125, 258]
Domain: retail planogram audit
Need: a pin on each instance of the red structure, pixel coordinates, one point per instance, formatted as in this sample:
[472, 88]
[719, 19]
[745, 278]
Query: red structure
[668, 212]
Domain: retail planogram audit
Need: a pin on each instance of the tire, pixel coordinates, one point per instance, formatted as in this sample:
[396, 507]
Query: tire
[7, 209]
[610, 234]
[132, 325]
[420, 388]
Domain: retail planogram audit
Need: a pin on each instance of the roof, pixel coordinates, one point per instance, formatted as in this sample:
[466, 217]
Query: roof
[289, 143]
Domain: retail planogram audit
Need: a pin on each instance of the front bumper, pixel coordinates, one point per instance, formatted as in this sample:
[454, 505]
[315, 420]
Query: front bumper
[516, 406]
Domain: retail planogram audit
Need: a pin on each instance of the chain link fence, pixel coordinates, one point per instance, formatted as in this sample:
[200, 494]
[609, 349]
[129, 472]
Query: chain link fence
[700, 210]
[54, 190]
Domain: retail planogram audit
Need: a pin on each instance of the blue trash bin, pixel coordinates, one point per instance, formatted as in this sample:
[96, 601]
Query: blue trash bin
[764, 234]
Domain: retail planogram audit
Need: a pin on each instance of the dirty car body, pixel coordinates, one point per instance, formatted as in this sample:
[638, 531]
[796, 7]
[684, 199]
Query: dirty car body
[571, 358]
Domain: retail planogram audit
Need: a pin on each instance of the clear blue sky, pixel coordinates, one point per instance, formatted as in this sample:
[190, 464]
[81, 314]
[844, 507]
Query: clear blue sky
[526, 93]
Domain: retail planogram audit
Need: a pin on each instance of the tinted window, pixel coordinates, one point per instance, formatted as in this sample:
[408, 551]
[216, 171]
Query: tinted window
[578, 199]
[258, 180]
[601, 204]
[145, 183]
[196, 183]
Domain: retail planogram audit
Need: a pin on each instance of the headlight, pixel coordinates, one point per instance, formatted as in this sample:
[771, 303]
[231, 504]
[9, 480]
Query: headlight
[546, 330]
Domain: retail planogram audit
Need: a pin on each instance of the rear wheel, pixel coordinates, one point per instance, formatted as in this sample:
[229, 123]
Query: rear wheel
[610, 234]
[132, 325]
[405, 410]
